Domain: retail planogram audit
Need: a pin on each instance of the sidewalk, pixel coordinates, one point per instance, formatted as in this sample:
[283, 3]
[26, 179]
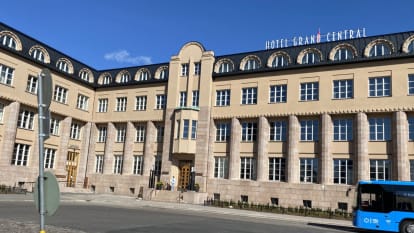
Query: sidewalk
[132, 202]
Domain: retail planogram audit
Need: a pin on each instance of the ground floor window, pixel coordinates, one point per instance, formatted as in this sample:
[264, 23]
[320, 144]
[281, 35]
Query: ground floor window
[247, 168]
[342, 171]
[221, 167]
[20, 154]
[309, 170]
[277, 169]
[379, 169]
[138, 162]
[99, 163]
[118, 164]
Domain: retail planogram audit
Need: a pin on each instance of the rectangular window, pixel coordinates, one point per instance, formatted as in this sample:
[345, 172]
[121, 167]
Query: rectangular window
[343, 89]
[120, 133]
[410, 127]
[6, 75]
[99, 163]
[379, 128]
[309, 91]
[20, 154]
[138, 164]
[183, 99]
[379, 169]
[103, 105]
[308, 170]
[54, 126]
[278, 130]
[160, 99]
[26, 119]
[193, 129]
[277, 168]
[118, 164]
[343, 171]
[197, 68]
[157, 165]
[379, 87]
[278, 94]
[121, 104]
[309, 130]
[223, 98]
[82, 102]
[160, 133]
[195, 99]
[1, 112]
[247, 168]
[411, 169]
[184, 69]
[221, 167]
[177, 128]
[249, 95]
[140, 129]
[222, 132]
[249, 131]
[186, 125]
[102, 132]
[60, 94]
[75, 131]
[49, 158]
[141, 103]
[343, 129]
[32, 84]
[411, 84]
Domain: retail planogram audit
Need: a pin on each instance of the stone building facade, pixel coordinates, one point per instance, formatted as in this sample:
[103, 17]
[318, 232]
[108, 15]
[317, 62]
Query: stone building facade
[290, 126]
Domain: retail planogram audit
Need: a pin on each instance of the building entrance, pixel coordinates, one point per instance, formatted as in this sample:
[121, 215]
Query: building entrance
[185, 171]
[72, 168]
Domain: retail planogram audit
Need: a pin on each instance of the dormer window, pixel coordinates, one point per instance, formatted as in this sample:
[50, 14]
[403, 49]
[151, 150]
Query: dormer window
[251, 64]
[63, 66]
[38, 55]
[343, 54]
[86, 74]
[280, 61]
[310, 58]
[380, 49]
[163, 74]
[9, 41]
[411, 47]
[224, 66]
[124, 78]
[106, 79]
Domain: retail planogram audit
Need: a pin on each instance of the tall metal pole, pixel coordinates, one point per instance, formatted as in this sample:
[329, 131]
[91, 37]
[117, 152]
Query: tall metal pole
[41, 153]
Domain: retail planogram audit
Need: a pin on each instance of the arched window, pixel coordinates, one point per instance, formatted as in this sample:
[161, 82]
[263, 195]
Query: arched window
[223, 66]
[9, 41]
[411, 47]
[106, 79]
[380, 49]
[63, 66]
[142, 75]
[280, 61]
[250, 63]
[161, 72]
[408, 46]
[343, 53]
[37, 52]
[311, 58]
[86, 74]
[123, 77]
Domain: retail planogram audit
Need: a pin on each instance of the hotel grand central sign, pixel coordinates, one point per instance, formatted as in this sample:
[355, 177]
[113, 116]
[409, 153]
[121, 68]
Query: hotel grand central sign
[317, 38]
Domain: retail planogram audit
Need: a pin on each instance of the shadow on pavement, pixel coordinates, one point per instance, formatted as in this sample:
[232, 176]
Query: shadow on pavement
[342, 228]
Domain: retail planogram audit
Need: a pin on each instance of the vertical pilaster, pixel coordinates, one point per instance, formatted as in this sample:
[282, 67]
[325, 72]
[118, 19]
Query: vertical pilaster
[292, 154]
[401, 168]
[84, 150]
[234, 161]
[109, 149]
[64, 142]
[262, 149]
[361, 142]
[211, 162]
[150, 136]
[326, 154]
[9, 136]
[129, 149]
[91, 154]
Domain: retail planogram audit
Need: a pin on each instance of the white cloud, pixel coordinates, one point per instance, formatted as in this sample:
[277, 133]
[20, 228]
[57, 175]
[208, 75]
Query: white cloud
[123, 56]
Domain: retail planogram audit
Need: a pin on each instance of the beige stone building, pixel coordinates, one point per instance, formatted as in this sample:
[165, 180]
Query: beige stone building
[293, 126]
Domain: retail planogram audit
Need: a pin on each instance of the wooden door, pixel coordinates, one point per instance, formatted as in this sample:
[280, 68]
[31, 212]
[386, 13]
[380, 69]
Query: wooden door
[72, 168]
[184, 178]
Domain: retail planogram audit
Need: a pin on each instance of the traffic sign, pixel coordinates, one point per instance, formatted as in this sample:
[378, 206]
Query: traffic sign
[45, 88]
[51, 192]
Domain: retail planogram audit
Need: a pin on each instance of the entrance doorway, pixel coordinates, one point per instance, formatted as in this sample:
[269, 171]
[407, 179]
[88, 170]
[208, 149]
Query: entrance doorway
[72, 168]
[185, 172]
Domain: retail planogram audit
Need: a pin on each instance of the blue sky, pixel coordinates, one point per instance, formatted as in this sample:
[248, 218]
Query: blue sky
[120, 33]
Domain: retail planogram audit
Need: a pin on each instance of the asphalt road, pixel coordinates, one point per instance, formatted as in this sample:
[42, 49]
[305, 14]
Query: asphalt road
[112, 219]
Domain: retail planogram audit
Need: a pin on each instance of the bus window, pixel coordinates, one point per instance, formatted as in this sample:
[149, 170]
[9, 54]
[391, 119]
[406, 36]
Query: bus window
[371, 198]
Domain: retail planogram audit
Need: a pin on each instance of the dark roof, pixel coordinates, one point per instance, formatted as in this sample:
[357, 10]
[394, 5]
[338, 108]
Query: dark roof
[397, 39]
